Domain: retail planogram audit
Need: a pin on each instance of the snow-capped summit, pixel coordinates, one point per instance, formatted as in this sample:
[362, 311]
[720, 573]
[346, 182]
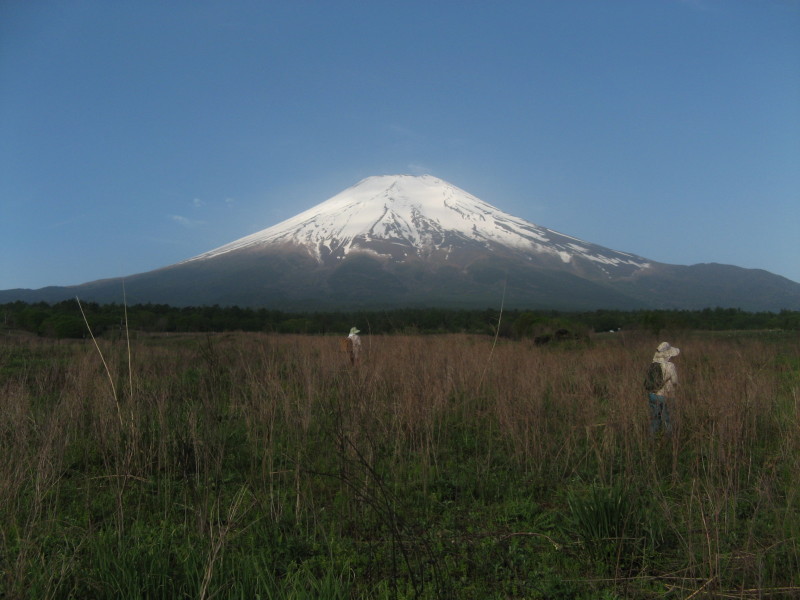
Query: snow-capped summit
[402, 216]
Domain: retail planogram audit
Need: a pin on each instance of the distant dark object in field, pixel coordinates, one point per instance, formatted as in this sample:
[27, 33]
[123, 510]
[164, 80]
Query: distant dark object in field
[560, 335]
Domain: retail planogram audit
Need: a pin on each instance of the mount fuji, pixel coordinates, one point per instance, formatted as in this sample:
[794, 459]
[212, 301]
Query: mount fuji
[407, 241]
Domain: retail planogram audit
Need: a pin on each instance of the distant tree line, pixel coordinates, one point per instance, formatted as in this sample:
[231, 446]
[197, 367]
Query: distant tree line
[65, 320]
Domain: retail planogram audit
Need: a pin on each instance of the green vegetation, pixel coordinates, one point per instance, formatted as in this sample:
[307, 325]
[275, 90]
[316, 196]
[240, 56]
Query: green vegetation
[257, 465]
[63, 320]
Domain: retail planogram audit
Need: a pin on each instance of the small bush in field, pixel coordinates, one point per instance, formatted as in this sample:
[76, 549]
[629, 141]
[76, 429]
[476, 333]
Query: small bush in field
[616, 527]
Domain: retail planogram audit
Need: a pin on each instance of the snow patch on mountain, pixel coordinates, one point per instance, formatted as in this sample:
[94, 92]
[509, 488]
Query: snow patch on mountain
[424, 213]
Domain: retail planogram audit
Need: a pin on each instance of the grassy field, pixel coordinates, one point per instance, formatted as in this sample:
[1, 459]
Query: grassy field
[264, 466]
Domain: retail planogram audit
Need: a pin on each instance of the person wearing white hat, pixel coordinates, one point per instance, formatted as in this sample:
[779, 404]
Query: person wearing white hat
[661, 397]
[353, 345]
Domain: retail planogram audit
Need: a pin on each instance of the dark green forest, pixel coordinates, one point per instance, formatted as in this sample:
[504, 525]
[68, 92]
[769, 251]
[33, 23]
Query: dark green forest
[69, 319]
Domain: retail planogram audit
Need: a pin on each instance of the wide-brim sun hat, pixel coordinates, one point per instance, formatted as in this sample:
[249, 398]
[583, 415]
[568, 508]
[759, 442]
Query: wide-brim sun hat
[665, 351]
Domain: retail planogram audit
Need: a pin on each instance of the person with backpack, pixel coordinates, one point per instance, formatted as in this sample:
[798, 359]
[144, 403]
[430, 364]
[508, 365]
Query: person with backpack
[660, 383]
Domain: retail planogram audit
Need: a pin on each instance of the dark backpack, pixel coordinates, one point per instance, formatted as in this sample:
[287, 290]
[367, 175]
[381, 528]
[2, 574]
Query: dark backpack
[654, 380]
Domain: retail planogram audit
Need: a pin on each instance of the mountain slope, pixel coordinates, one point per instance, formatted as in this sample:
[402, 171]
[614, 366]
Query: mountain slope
[400, 216]
[396, 241]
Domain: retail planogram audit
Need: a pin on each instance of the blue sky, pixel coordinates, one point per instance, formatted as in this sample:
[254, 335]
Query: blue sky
[134, 135]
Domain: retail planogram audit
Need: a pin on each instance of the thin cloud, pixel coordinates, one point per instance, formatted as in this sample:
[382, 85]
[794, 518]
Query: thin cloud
[186, 222]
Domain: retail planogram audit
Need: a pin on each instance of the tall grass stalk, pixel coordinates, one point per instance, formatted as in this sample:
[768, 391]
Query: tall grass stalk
[127, 340]
[103, 360]
[496, 332]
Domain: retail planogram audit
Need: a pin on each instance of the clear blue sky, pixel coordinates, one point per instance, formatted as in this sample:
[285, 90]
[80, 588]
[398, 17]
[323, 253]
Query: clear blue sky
[137, 134]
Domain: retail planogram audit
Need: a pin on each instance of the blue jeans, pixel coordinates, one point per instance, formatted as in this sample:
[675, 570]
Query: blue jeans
[659, 414]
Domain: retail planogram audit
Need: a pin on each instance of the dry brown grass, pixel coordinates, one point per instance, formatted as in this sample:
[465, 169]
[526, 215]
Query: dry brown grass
[271, 408]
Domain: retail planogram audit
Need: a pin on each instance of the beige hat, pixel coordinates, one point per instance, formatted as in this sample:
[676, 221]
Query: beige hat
[665, 352]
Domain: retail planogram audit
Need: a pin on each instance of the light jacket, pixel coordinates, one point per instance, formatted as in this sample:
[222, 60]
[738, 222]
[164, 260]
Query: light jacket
[356, 341]
[670, 377]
